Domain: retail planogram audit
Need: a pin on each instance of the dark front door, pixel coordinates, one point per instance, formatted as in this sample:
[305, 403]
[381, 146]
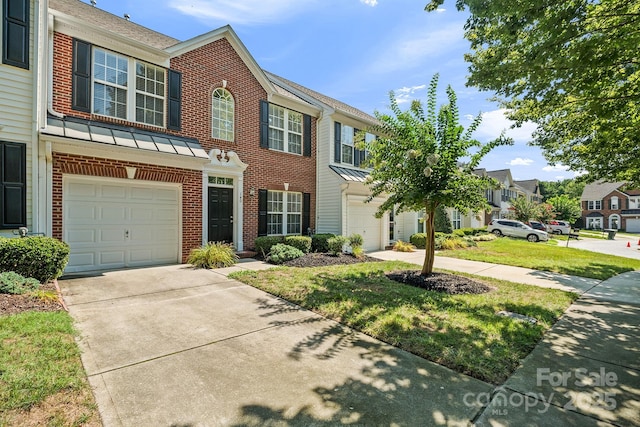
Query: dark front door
[220, 215]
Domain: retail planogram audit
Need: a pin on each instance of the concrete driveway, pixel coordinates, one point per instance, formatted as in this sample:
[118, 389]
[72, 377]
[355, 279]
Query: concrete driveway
[174, 346]
[618, 246]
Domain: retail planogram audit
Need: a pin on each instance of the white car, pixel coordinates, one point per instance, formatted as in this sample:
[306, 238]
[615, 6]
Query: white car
[512, 228]
[559, 227]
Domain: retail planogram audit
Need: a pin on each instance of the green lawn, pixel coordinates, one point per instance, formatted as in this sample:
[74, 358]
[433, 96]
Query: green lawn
[462, 332]
[40, 362]
[547, 257]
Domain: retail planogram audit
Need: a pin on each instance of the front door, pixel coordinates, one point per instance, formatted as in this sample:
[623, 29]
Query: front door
[220, 215]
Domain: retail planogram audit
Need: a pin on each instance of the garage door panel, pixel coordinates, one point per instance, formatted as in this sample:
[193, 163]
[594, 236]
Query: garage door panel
[362, 221]
[114, 225]
[633, 225]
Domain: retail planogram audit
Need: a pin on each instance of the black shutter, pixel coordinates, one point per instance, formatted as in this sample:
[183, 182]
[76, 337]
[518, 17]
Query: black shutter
[81, 83]
[306, 212]
[337, 147]
[13, 185]
[15, 33]
[264, 124]
[306, 135]
[609, 204]
[262, 212]
[174, 111]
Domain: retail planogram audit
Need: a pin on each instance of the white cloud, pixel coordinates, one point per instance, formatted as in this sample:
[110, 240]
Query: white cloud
[407, 94]
[560, 177]
[416, 47]
[555, 168]
[371, 3]
[441, 9]
[519, 161]
[241, 12]
[494, 122]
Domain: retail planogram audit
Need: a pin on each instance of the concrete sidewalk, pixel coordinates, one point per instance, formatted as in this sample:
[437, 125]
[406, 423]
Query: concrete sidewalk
[178, 346]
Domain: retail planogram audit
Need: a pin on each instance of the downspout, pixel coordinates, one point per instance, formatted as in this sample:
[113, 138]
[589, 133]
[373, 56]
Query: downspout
[318, 165]
[50, 109]
[35, 116]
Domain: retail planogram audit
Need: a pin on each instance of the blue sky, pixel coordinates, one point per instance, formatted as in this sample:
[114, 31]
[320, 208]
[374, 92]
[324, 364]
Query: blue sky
[355, 51]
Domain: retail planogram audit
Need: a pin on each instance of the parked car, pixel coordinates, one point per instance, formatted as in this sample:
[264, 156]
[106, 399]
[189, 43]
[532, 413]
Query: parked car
[559, 227]
[537, 225]
[512, 228]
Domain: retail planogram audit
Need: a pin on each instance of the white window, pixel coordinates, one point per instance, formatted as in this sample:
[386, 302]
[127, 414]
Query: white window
[614, 221]
[634, 202]
[594, 205]
[594, 223]
[223, 115]
[488, 194]
[615, 204]
[111, 88]
[456, 219]
[284, 213]
[285, 130]
[346, 139]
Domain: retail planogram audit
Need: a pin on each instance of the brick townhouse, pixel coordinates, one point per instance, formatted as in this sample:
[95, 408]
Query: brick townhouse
[153, 146]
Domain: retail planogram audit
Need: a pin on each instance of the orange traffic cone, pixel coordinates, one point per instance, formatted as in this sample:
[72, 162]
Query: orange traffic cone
[638, 242]
[628, 244]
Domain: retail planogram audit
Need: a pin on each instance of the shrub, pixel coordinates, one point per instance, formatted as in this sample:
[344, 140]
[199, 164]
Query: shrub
[263, 244]
[281, 253]
[300, 242]
[356, 241]
[469, 231]
[486, 237]
[450, 241]
[14, 283]
[213, 255]
[319, 242]
[401, 246]
[419, 240]
[357, 252]
[336, 244]
[43, 258]
[441, 220]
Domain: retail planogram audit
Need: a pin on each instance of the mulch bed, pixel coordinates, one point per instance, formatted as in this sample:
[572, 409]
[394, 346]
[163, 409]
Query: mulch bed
[13, 304]
[316, 259]
[440, 282]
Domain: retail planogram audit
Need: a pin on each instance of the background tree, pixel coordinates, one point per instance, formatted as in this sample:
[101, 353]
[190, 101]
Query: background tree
[570, 187]
[566, 208]
[442, 222]
[524, 210]
[546, 213]
[417, 162]
[572, 67]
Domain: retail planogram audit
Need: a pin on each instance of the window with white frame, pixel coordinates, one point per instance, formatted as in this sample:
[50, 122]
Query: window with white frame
[112, 93]
[594, 205]
[285, 130]
[634, 202]
[346, 139]
[615, 203]
[223, 115]
[594, 223]
[284, 213]
[456, 219]
[488, 194]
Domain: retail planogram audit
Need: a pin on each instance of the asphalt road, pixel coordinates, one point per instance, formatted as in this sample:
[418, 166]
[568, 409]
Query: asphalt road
[618, 246]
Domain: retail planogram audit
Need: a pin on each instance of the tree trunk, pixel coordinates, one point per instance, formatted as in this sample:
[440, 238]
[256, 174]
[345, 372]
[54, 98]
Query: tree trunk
[430, 246]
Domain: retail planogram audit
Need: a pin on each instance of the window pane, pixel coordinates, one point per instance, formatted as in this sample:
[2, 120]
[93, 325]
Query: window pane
[276, 139]
[347, 135]
[295, 144]
[223, 115]
[293, 223]
[347, 154]
[276, 117]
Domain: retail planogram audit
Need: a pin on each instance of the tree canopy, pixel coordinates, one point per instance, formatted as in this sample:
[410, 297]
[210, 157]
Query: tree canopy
[570, 187]
[423, 159]
[572, 67]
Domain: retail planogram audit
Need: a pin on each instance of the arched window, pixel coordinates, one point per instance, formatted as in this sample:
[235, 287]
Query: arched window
[223, 115]
[614, 221]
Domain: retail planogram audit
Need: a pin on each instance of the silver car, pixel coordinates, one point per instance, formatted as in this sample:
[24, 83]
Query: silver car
[512, 228]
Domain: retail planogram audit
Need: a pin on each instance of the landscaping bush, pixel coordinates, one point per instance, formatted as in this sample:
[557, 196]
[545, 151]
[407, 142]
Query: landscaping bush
[263, 244]
[449, 242]
[336, 244]
[419, 240]
[319, 242]
[401, 246]
[486, 237]
[281, 253]
[469, 231]
[356, 241]
[300, 242]
[213, 255]
[42, 258]
[14, 283]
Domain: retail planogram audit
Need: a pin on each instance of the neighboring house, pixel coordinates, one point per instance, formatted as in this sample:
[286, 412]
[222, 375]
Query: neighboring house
[530, 189]
[154, 146]
[611, 205]
[20, 32]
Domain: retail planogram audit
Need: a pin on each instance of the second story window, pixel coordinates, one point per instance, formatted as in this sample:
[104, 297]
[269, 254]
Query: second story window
[346, 140]
[634, 202]
[594, 205]
[615, 204]
[223, 115]
[488, 194]
[285, 130]
[117, 92]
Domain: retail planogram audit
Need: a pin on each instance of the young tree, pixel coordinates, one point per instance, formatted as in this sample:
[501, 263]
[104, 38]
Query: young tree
[417, 161]
[572, 67]
[441, 221]
[524, 210]
[566, 208]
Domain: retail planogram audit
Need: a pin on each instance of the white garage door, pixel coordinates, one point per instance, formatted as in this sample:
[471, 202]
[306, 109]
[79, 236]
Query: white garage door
[633, 225]
[362, 220]
[115, 224]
